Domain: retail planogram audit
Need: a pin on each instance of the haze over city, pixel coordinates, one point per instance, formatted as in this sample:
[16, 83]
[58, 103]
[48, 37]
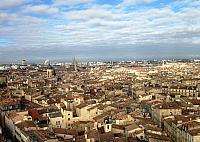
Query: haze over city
[98, 29]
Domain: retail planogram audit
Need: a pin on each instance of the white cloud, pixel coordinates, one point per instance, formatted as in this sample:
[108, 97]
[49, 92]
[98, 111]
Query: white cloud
[87, 14]
[14, 20]
[40, 9]
[92, 13]
[98, 25]
[110, 24]
[71, 2]
[135, 2]
[10, 3]
[71, 27]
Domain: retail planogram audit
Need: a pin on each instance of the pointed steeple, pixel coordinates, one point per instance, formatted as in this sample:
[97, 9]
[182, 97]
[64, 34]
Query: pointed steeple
[74, 62]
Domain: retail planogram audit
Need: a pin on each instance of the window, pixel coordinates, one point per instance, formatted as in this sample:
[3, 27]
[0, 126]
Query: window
[68, 119]
[57, 122]
[108, 126]
[141, 137]
[68, 113]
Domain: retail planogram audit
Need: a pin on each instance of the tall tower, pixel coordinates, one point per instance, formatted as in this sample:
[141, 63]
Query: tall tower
[74, 62]
[164, 62]
[107, 126]
[23, 62]
[50, 72]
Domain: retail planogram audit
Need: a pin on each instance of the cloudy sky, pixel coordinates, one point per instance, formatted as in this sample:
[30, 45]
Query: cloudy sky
[99, 29]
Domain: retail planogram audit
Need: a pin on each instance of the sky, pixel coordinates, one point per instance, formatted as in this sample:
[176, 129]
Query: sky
[37, 30]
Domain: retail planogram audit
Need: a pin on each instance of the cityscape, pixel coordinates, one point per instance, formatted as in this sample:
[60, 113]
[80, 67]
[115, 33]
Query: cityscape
[101, 101]
[99, 71]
